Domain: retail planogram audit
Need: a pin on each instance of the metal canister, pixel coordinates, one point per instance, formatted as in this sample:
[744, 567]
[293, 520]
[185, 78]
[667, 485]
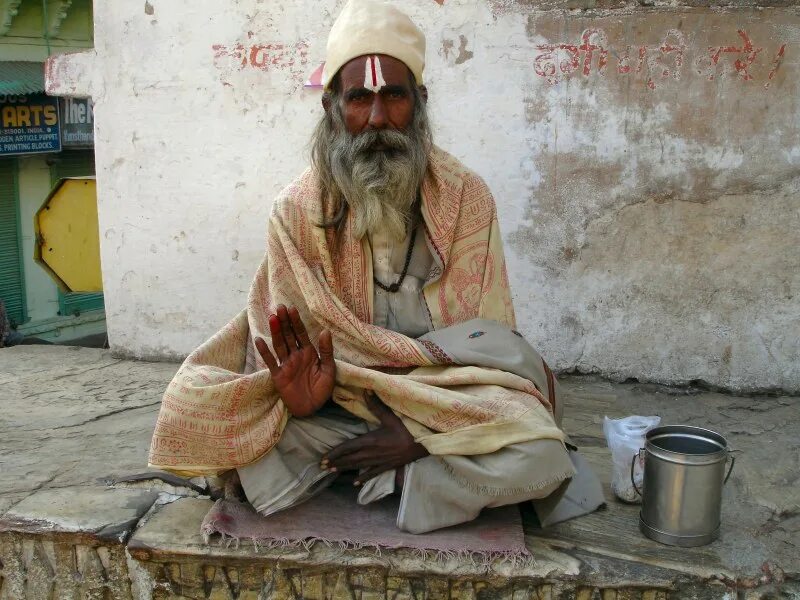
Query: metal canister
[684, 472]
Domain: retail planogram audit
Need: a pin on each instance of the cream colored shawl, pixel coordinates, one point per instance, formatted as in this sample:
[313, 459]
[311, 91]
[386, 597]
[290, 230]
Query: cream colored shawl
[221, 410]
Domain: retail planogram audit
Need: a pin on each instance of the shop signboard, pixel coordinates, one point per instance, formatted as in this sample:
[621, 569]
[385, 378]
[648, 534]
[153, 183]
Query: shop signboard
[29, 124]
[77, 122]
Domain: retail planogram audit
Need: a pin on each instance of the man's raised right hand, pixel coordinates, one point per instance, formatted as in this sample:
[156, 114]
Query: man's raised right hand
[303, 378]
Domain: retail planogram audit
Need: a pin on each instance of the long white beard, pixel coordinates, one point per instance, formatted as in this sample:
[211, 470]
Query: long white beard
[380, 186]
[381, 194]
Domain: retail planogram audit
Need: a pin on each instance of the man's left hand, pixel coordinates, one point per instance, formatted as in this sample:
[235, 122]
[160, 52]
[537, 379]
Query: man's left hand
[389, 447]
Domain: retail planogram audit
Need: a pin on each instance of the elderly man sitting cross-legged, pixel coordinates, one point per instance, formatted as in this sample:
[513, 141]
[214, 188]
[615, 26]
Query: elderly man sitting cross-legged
[396, 358]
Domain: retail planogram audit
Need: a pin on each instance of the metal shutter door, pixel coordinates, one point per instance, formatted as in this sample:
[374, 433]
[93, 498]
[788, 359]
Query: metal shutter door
[12, 281]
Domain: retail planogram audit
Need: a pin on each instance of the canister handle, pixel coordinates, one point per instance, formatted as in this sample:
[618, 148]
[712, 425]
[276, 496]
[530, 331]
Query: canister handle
[730, 469]
[633, 464]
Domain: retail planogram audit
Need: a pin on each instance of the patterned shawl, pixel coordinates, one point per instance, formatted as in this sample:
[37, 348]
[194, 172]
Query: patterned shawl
[221, 410]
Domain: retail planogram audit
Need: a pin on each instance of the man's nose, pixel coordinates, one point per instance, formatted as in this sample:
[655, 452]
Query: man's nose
[377, 114]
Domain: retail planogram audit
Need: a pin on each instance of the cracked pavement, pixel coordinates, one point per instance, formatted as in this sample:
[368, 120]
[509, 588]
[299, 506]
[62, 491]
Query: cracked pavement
[72, 415]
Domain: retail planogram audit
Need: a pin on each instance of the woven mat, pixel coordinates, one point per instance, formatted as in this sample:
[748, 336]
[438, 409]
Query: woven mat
[335, 518]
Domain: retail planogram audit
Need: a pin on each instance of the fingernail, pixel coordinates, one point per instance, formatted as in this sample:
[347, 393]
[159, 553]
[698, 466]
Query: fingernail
[356, 483]
[332, 469]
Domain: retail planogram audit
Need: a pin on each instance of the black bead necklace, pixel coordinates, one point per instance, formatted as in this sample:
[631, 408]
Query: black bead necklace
[396, 285]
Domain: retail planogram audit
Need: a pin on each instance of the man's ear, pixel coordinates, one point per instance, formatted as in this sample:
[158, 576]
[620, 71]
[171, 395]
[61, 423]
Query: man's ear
[326, 102]
[423, 91]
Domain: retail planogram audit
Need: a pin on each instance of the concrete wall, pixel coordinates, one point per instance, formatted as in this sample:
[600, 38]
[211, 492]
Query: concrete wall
[645, 160]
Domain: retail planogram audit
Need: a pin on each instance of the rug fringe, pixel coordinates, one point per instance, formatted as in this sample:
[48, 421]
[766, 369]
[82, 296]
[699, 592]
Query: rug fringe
[486, 561]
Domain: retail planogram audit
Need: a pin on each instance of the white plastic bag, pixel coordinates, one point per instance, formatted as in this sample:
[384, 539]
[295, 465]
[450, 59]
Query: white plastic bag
[625, 437]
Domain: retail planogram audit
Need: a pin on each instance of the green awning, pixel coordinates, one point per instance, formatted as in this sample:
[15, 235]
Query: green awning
[17, 77]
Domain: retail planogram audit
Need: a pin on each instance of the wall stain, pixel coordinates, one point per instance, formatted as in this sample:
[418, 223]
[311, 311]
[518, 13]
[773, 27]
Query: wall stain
[148, 8]
[463, 54]
[447, 47]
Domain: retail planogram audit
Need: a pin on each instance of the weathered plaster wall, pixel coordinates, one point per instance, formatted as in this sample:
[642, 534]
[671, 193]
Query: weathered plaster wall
[645, 161]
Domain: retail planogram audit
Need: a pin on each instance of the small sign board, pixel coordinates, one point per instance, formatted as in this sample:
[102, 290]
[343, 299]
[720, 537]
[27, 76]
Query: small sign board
[29, 124]
[77, 122]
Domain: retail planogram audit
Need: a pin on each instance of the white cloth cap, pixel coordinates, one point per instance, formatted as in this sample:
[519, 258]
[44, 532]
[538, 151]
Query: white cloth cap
[373, 27]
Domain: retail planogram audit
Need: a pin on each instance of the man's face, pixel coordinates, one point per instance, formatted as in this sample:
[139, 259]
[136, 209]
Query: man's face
[391, 107]
[371, 147]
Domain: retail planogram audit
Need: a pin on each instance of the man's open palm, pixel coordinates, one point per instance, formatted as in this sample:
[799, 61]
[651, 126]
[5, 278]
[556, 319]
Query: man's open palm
[303, 378]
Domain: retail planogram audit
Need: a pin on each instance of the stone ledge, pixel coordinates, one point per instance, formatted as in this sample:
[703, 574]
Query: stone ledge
[107, 514]
[76, 416]
[35, 328]
[168, 554]
[69, 543]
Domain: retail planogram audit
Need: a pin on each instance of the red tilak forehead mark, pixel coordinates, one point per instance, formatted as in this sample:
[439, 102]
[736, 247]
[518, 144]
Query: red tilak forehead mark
[374, 74]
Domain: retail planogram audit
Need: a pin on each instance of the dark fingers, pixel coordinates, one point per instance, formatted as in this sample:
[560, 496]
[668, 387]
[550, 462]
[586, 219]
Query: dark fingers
[326, 348]
[360, 459]
[379, 409]
[286, 328]
[278, 343]
[343, 449]
[370, 473]
[263, 350]
[298, 327]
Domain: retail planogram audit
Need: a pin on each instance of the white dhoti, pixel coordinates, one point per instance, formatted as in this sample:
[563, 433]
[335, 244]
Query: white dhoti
[437, 491]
